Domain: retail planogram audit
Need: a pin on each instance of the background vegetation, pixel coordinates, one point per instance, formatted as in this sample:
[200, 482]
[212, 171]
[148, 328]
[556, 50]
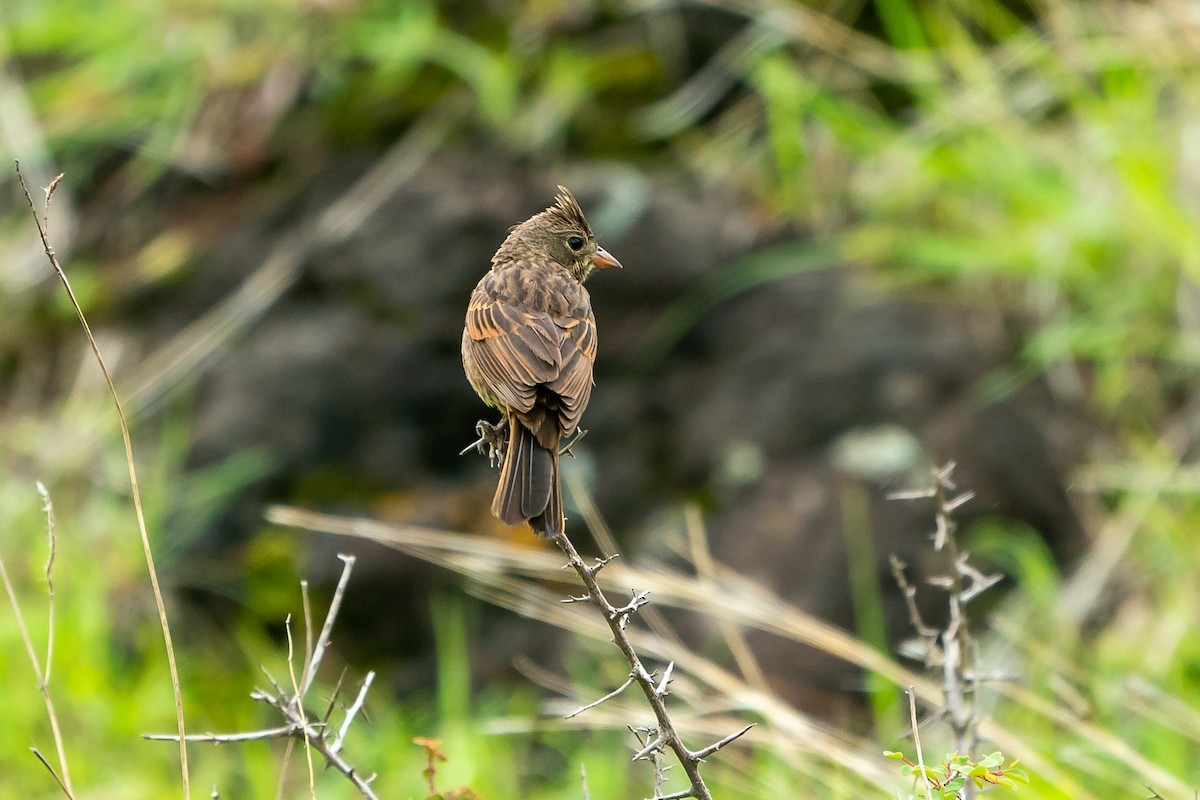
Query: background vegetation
[1038, 157]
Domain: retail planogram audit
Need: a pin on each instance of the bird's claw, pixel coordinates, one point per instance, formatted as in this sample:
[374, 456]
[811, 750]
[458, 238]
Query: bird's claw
[491, 442]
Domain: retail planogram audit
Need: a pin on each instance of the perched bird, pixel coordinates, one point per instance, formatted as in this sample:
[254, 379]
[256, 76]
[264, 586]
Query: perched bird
[528, 350]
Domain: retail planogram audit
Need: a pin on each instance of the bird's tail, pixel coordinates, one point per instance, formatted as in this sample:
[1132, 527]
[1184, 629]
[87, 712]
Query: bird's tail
[551, 521]
[529, 487]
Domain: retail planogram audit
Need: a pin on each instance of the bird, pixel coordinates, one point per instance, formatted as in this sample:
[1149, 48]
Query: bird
[528, 348]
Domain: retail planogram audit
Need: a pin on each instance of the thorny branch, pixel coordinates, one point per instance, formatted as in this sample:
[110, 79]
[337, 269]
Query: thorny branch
[664, 734]
[953, 649]
[314, 731]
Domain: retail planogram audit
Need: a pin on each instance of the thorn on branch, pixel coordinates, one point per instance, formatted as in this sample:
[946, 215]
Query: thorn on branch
[953, 504]
[675, 795]
[351, 712]
[279, 690]
[976, 582]
[700, 755]
[943, 475]
[601, 563]
[911, 494]
[654, 744]
[621, 615]
[628, 682]
[333, 697]
[663, 686]
[566, 450]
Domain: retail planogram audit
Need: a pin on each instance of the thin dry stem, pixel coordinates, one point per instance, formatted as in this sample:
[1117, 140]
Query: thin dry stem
[312, 777]
[912, 721]
[516, 578]
[129, 462]
[306, 604]
[43, 682]
[57, 779]
[283, 767]
[52, 536]
[706, 569]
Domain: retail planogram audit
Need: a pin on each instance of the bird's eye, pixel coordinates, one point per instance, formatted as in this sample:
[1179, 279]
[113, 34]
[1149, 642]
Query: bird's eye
[575, 243]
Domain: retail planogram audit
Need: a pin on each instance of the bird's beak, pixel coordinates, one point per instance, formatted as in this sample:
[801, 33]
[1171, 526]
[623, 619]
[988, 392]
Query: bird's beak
[602, 259]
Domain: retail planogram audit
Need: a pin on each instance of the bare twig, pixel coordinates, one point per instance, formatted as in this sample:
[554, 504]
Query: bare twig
[298, 725]
[335, 605]
[628, 682]
[517, 577]
[715, 746]
[929, 634]
[352, 712]
[227, 738]
[41, 223]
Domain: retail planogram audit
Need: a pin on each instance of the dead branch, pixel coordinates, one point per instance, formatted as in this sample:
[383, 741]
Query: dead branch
[315, 732]
[665, 736]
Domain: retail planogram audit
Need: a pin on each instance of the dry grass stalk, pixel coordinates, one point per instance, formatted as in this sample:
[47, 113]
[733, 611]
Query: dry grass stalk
[42, 224]
[515, 577]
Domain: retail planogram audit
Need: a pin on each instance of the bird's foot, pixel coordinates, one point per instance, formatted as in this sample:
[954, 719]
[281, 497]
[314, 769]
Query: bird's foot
[492, 441]
[565, 450]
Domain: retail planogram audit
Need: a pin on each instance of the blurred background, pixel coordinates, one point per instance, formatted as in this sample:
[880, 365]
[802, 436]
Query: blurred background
[860, 238]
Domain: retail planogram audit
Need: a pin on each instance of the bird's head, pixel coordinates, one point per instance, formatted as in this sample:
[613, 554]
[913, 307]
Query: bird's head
[560, 234]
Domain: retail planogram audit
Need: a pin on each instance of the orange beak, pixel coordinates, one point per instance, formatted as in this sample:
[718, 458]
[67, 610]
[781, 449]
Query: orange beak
[602, 259]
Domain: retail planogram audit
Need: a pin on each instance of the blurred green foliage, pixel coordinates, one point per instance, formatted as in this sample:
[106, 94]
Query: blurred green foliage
[1033, 156]
[1036, 157]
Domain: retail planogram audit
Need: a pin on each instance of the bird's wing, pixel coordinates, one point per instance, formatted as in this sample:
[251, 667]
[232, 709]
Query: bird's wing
[577, 354]
[516, 349]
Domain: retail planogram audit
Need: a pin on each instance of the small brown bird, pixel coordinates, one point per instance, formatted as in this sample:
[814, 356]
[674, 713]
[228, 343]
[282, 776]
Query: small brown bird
[528, 350]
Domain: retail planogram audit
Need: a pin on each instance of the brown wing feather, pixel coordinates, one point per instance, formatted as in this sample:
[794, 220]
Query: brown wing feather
[519, 347]
[515, 349]
[574, 381]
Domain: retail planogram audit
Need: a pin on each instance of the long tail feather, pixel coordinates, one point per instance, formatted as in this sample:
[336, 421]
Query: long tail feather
[551, 521]
[527, 478]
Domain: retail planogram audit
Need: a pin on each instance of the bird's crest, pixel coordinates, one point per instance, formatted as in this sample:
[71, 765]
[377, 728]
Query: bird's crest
[566, 210]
